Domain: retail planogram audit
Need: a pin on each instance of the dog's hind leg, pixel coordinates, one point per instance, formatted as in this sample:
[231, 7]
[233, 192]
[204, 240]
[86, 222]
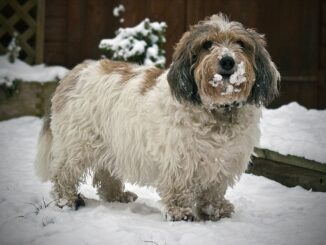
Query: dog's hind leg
[66, 181]
[111, 189]
[68, 169]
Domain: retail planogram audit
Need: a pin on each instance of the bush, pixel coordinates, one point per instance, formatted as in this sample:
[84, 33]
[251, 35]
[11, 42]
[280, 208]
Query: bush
[142, 44]
[13, 49]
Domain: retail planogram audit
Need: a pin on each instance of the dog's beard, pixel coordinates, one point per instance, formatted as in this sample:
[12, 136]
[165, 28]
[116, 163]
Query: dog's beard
[227, 90]
[230, 83]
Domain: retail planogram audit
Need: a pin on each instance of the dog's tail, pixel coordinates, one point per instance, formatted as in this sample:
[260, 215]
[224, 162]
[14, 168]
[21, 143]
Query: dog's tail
[43, 156]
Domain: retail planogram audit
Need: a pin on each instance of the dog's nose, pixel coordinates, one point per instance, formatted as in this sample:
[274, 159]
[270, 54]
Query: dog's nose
[227, 64]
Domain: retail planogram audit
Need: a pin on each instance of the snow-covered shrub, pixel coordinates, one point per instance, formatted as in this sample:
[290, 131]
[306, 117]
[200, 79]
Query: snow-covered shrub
[13, 49]
[117, 12]
[142, 44]
[11, 74]
[9, 87]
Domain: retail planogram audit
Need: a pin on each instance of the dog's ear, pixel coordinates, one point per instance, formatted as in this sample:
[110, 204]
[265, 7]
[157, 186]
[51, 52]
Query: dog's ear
[267, 81]
[180, 76]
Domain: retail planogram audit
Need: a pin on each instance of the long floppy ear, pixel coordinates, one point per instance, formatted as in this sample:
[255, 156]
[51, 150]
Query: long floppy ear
[267, 81]
[180, 76]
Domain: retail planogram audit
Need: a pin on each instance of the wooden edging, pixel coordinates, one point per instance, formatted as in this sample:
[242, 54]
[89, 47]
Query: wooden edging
[290, 160]
[28, 99]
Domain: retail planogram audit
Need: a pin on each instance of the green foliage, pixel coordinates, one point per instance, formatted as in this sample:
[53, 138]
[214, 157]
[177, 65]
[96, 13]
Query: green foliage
[10, 88]
[142, 44]
[13, 49]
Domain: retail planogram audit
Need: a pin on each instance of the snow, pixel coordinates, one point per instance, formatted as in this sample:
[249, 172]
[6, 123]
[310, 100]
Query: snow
[265, 211]
[118, 10]
[217, 80]
[13, 48]
[139, 40]
[238, 76]
[229, 90]
[295, 130]
[28, 73]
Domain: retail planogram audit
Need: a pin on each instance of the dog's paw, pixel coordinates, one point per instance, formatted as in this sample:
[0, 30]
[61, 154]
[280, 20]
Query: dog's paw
[224, 210]
[73, 203]
[128, 196]
[179, 214]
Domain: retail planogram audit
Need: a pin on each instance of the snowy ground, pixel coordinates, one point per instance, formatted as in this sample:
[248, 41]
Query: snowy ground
[292, 129]
[266, 212]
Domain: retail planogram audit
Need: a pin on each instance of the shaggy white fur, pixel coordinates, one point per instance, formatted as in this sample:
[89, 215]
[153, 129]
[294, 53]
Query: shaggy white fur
[101, 120]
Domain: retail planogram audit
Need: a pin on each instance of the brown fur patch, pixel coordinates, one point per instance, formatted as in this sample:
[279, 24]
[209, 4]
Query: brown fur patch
[122, 68]
[150, 79]
[66, 85]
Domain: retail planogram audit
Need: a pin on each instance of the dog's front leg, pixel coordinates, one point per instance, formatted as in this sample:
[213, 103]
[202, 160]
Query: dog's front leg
[179, 203]
[212, 205]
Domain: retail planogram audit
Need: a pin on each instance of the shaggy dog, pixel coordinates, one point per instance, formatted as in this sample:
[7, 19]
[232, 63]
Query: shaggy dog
[188, 131]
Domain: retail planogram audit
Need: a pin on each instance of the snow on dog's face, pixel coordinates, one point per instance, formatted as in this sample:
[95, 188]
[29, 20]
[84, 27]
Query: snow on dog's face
[220, 63]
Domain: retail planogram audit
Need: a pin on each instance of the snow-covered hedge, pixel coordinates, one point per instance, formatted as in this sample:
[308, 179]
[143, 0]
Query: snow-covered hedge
[19, 71]
[13, 49]
[142, 44]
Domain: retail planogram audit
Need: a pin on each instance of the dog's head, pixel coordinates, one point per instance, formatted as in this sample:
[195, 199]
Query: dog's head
[220, 63]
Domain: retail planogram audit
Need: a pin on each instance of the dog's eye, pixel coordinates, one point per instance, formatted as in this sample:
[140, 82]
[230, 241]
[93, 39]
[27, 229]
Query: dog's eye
[240, 43]
[207, 45]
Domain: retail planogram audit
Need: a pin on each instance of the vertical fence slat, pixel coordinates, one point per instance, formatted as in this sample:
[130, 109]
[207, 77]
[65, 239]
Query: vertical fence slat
[40, 31]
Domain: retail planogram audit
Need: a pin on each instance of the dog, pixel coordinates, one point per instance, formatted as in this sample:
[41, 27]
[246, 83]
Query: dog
[188, 131]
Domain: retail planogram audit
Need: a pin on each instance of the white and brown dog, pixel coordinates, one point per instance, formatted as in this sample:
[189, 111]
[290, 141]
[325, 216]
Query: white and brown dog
[189, 131]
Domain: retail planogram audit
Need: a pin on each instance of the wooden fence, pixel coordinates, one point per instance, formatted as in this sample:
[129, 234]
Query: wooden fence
[26, 18]
[295, 32]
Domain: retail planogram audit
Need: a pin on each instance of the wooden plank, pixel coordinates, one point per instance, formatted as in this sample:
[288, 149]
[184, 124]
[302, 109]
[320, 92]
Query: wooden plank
[6, 25]
[290, 160]
[288, 175]
[286, 33]
[55, 9]
[3, 3]
[23, 14]
[313, 79]
[27, 49]
[75, 31]
[323, 11]
[55, 53]
[29, 5]
[242, 11]
[305, 93]
[55, 40]
[55, 29]
[12, 20]
[27, 35]
[39, 32]
[98, 13]
[322, 60]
